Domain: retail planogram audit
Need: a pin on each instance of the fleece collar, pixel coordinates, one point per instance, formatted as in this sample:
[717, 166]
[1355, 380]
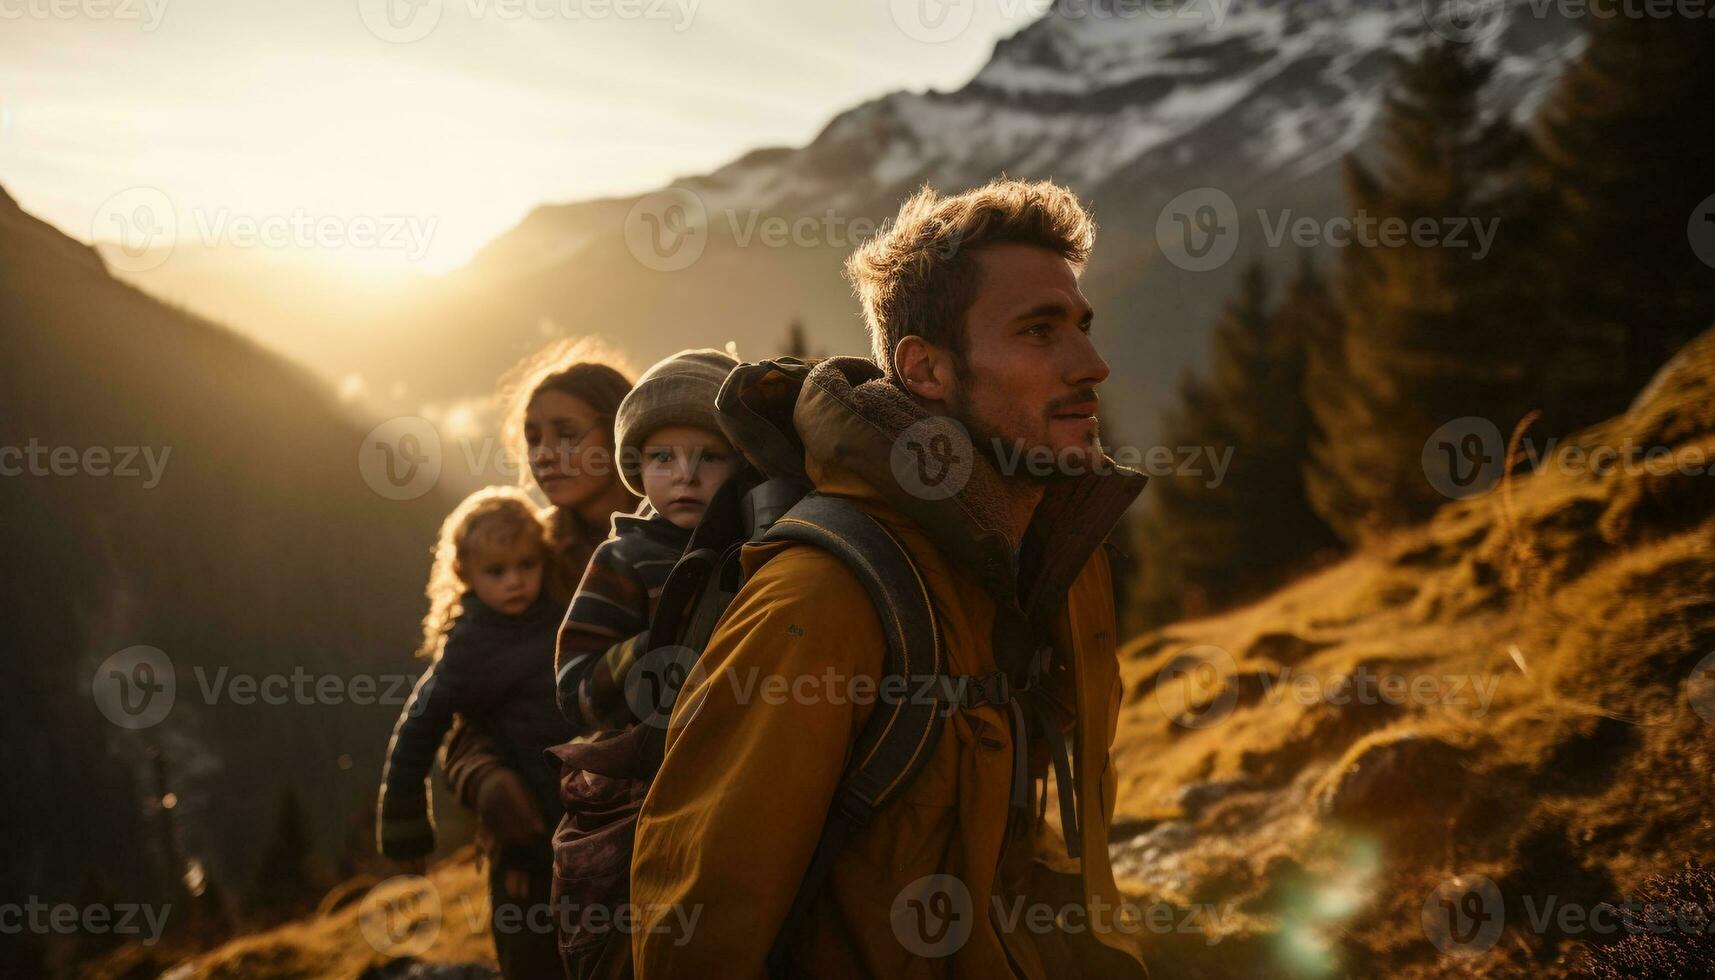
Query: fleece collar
[835, 423]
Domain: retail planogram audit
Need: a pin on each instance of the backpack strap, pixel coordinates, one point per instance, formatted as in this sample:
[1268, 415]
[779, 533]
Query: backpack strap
[902, 732]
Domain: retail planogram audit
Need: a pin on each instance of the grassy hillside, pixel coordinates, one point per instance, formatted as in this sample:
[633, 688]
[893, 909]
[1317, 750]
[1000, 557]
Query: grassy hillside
[1551, 734]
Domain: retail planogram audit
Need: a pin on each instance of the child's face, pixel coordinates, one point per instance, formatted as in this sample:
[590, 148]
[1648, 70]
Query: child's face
[507, 578]
[683, 466]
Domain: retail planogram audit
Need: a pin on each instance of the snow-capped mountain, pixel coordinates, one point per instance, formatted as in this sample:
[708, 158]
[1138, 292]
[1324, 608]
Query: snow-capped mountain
[1256, 98]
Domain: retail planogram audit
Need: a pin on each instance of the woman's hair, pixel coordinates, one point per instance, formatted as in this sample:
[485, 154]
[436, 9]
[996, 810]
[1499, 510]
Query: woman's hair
[587, 369]
[490, 517]
[584, 367]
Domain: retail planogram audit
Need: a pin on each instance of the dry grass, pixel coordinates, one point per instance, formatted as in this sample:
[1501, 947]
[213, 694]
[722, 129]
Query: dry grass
[1555, 627]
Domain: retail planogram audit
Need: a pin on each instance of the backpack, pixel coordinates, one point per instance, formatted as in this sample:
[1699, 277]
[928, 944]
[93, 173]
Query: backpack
[605, 780]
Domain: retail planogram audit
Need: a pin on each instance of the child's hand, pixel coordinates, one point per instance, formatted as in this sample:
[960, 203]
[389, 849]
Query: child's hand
[506, 808]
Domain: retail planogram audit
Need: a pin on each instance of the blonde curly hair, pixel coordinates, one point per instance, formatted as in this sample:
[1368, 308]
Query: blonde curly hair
[490, 517]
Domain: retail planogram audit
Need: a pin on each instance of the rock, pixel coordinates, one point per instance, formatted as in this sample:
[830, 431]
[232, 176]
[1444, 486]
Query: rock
[1194, 798]
[1285, 649]
[1390, 778]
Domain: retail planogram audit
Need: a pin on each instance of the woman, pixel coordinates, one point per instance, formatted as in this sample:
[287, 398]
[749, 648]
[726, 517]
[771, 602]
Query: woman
[559, 420]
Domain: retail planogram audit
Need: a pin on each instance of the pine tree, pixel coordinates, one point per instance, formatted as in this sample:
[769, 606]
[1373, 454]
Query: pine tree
[1425, 333]
[1210, 544]
[796, 345]
[1627, 142]
[285, 883]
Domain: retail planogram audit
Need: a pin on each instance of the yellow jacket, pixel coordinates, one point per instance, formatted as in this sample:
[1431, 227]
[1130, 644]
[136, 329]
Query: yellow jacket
[762, 732]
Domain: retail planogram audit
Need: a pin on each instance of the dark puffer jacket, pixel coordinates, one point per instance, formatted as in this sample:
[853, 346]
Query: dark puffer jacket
[496, 670]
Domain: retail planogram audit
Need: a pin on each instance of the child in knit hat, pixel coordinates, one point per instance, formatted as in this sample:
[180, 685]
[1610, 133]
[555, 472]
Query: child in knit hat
[670, 450]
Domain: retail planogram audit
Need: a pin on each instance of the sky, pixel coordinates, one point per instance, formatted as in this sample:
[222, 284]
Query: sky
[414, 131]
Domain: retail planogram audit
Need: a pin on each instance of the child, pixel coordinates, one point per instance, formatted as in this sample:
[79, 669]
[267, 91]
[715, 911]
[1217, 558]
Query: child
[490, 635]
[671, 450]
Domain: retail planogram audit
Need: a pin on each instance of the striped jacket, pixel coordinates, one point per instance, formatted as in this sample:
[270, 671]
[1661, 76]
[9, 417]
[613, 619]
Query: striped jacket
[605, 626]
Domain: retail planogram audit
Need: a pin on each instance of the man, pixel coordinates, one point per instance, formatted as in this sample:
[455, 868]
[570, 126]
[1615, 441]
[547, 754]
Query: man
[975, 314]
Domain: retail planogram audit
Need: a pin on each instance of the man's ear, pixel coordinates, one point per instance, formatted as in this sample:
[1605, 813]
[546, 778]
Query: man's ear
[924, 369]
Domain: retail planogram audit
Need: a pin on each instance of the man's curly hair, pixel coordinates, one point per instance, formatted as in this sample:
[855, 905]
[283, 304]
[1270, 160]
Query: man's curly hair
[919, 276]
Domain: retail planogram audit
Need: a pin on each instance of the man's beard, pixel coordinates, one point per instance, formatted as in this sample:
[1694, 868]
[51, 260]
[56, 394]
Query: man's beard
[1014, 464]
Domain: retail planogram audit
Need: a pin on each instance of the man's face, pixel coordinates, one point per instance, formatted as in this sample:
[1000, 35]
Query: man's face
[1030, 370]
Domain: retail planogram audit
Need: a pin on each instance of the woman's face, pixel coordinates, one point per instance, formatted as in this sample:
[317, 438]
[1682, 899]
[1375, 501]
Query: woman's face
[569, 449]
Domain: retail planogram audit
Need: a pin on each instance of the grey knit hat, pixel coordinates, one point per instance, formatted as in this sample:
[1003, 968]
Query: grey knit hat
[679, 390]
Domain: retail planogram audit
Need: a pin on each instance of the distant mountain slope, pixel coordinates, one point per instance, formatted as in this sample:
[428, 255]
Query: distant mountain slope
[1130, 112]
[250, 546]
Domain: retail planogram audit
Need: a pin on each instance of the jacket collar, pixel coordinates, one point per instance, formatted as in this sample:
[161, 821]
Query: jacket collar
[649, 523]
[837, 424]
